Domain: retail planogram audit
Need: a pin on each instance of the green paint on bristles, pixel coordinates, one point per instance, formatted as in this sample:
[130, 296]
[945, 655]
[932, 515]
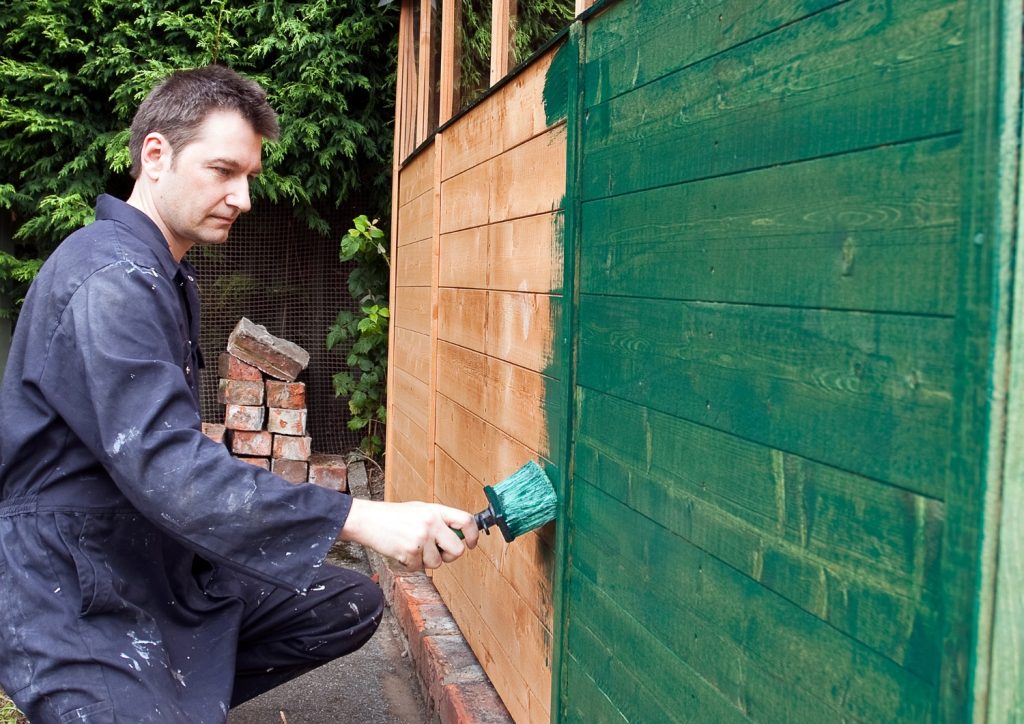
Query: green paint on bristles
[525, 500]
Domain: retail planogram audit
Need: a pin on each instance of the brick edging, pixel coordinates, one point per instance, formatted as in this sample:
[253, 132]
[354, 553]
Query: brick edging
[452, 680]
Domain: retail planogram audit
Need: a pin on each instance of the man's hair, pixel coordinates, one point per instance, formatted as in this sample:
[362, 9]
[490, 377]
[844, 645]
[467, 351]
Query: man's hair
[180, 103]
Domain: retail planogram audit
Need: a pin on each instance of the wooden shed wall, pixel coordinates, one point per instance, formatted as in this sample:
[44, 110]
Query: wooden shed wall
[475, 387]
[790, 298]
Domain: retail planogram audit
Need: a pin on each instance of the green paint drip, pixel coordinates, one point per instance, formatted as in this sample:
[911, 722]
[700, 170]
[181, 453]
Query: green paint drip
[522, 502]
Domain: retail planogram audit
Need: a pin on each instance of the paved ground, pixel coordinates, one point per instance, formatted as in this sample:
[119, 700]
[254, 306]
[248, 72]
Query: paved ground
[375, 685]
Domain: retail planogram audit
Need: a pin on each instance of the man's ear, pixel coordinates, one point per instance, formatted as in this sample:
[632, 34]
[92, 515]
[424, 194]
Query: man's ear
[156, 155]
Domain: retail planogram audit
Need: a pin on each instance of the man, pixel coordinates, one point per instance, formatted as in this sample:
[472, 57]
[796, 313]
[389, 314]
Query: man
[145, 574]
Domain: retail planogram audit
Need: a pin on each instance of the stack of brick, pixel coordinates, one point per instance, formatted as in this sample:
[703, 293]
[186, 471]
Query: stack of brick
[265, 409]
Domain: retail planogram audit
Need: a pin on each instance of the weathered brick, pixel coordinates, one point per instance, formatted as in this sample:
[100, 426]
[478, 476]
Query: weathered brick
[244, 417]
[287, 395]
[286, 422]
[231, 368]
[239, 392]
[258, 462]
[277, 357]
[329, 471]
[214, 431]
[294, 471]
[292, 447]
[258, 443]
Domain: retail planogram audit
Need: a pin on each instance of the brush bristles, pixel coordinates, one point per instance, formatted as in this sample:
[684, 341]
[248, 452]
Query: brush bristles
[526, 499]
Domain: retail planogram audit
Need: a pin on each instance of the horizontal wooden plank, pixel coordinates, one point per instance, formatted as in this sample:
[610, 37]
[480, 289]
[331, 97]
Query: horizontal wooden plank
[471, 140]
[529, 179]
[462, 317]
[405, 481]
[412, 396]
[870, 394]
[637, 41]
[521, 403]
[521, 112]
[586, 701]
[527, 254]
[414, 264]
[416, 220]
[521, 328]
[463, 258]
[857, 554]
[659, 684]
[412, 353]
[644, 569]
[855, 76]
[410, 440]
[416, 177]
[465, 198]
[412, 309]
[875, 230]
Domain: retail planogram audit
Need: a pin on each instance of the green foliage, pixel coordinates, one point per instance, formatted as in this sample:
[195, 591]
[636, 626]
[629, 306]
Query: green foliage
[15, 276]
[9, 713]
[536, 22]
[365, 382]
[72, 73]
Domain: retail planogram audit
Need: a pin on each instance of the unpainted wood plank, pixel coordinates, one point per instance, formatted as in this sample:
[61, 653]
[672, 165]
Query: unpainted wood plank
[463, 261]
[853, 552]
[412, 309]
[502, 15]
[645, 568]
[504, 673]
[415, 219]
[417, 176]
[413, 264]
[520, 109]
[412, 396]
[856, 76]
[873, 231]
[462, 317]
[411, 439]
[530, 178]
[485, 452]
[464, 198]
[520, 328]
[405, 87]
[407, 481]
[424, 96]
[471, 140]
[870, 394]
[449, 28]
[526, 254]
[639, 41]
[412, 353]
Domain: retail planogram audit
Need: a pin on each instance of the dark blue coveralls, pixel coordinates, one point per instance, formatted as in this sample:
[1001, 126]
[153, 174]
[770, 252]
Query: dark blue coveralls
[145, 574]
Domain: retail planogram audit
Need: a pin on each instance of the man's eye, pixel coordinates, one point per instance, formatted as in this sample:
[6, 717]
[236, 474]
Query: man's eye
[222, 171]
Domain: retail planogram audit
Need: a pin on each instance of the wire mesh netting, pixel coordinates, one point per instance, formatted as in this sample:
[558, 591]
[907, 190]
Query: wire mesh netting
[279, 274]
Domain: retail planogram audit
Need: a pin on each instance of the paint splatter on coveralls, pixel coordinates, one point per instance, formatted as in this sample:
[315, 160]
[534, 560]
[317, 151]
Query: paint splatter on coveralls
[145, 574]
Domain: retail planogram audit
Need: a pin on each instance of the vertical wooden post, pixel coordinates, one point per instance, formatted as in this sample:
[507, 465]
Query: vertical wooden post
[501, 36]
[423, 95]
[582, 5]
[449, 59]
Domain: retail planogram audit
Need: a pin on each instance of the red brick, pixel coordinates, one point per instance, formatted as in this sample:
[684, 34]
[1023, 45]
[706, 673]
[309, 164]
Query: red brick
[214, 431]
[288, 395]
[292, 447]
[232, 368]
[294, 471]
[257, 443]
[277, 357]
[286, 422]
[239, 392]
[472, 702]
[258, 462]
[329, 471]
[244, 417]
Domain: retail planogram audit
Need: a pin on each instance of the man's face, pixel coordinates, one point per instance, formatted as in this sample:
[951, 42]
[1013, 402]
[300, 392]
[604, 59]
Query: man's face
[206, 185]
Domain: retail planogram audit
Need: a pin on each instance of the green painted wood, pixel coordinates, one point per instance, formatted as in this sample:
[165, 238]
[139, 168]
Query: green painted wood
[679, 590]
[588, 703]
[641, 40]
[858, 76]
[656, 685]
[872, 231]
[870, 394]
[858, 555]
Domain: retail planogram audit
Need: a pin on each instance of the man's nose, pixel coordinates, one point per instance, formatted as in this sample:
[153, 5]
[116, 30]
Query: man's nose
[238, 196]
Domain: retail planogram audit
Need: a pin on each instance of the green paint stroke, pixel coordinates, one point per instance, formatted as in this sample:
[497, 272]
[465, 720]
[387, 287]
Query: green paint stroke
[556, 85]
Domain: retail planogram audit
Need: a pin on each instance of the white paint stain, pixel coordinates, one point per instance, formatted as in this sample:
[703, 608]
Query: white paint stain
[123, 439]
[179, 677]
[133, 662]
[354, 607]
[141, 646]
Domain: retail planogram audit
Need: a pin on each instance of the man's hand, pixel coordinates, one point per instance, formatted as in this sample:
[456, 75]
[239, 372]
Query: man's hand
[416, 535]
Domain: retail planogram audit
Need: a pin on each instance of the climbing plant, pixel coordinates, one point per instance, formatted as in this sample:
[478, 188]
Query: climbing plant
[365, 382]
[72, 73]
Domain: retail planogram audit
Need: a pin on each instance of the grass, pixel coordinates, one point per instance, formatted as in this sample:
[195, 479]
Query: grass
[9, 713]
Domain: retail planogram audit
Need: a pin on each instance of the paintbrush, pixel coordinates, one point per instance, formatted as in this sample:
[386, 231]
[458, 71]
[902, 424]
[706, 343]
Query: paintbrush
[522, 502]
